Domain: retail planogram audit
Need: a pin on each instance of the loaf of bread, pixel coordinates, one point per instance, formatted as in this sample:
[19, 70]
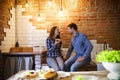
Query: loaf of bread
[48, 73]
[51, 74]
[31, 75]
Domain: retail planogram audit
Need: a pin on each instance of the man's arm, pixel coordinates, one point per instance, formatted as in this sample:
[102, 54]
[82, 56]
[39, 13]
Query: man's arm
[88, 47]
[69, 51]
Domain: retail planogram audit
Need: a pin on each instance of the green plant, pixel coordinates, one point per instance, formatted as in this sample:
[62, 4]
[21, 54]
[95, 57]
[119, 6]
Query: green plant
[108, 56]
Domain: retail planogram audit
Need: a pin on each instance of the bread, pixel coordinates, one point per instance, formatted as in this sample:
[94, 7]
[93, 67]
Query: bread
[31, 75]
[48, 74]
[51, 74]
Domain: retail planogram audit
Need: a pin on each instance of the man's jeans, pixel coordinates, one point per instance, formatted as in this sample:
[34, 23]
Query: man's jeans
[71, 65]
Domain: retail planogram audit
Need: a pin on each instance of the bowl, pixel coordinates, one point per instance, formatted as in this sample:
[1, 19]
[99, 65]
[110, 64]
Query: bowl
[112, 67]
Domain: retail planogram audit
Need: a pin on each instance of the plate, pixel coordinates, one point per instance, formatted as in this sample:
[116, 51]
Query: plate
[81, 77]
[35, 75]
[113, 76]
[62, 74]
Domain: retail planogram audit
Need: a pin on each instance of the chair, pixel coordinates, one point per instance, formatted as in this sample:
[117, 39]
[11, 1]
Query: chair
[89, 67]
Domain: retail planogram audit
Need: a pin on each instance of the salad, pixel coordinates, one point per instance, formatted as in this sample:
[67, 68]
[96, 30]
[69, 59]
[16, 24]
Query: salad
[108, 56]
[78, 78]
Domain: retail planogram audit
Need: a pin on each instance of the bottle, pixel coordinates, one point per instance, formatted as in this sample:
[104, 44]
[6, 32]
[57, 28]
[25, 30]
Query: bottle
[105, 46]
[17, 44]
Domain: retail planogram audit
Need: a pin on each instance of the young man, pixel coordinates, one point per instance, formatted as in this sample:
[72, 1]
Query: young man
[82, 48]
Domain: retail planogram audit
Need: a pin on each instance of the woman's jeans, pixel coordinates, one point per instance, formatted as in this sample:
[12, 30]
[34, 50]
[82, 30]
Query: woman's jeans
[56, 63]
[71, 65]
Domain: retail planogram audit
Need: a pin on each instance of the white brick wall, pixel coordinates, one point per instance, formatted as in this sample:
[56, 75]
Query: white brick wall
[9, 39]
[97, 48]
[26, 32]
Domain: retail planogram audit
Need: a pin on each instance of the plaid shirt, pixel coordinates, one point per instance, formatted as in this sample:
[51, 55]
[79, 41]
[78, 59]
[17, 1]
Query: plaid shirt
[53, 50]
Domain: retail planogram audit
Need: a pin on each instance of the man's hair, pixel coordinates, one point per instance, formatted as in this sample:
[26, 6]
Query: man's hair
[73, 25]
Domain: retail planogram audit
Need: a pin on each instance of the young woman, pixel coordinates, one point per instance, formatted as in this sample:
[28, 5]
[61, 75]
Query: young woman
[54, 56]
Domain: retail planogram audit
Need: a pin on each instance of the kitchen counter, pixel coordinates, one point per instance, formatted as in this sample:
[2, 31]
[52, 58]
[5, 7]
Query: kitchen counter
[17, 61]
[101, 75]
[22, 53]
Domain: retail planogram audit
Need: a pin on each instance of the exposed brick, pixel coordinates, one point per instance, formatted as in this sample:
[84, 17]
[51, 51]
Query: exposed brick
[98, 19]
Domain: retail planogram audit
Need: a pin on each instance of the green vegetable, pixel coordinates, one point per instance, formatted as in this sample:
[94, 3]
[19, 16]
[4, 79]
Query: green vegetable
[78, 78]
[108, 56]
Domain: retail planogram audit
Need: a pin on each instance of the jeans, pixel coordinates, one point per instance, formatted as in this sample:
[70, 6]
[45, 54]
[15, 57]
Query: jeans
[71, 65]
[56, 63]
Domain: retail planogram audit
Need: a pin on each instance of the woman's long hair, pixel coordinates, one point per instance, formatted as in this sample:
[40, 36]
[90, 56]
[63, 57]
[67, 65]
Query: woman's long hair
[52, 32]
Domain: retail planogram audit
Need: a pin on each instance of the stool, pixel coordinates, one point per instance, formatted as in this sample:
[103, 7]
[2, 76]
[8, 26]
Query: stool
[89, 67]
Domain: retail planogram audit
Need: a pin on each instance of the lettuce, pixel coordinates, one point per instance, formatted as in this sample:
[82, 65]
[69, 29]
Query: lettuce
[78, 78]
[108, 56]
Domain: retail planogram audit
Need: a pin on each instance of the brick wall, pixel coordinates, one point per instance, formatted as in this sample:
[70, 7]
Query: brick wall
[9, 39]
[27, 34]
[98, 19]
[5, 29]
[7, 24]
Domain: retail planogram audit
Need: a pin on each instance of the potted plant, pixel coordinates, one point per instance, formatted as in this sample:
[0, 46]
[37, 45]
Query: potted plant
[111, 62]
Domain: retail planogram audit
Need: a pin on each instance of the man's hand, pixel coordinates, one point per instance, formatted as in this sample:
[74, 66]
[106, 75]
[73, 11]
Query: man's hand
[80, 59]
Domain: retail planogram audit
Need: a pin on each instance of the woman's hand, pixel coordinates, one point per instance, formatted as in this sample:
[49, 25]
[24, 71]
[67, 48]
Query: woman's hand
[57, 41]
[64, 59]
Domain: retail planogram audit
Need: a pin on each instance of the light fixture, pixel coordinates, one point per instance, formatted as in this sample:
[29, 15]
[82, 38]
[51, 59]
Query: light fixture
[11, 3]
[49, 2]
[61, 13]
[61, 10]
[72, 0]
[38, 18]
[73, 4]
[26, 3]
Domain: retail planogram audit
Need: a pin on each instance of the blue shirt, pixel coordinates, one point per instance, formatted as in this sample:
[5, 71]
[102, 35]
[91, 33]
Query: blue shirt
[52, 49]
[81, 45]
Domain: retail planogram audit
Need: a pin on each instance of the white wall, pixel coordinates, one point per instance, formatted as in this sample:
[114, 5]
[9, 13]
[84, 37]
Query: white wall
[26, 32]
[23, 31]
[9, 39]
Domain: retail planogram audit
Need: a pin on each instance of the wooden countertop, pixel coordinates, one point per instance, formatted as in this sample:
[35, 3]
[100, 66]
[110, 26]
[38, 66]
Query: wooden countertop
[23, 53]
[101, 75]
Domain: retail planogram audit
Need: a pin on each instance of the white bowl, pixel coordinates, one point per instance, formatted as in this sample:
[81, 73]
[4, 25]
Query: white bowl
[112, 67]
